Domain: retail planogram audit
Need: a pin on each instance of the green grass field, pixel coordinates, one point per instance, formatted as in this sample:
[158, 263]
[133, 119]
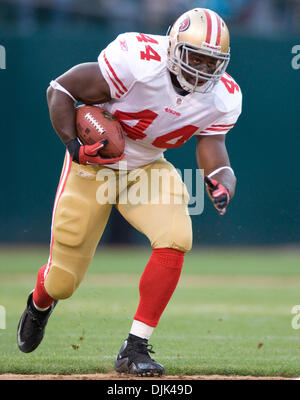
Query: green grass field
[230, 314]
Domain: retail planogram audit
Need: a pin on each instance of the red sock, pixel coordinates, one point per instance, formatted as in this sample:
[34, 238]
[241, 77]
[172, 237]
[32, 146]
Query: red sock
[158, 283]
[40, 297]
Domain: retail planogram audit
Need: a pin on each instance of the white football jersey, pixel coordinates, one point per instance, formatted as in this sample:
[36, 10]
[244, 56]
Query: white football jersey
[153, 115]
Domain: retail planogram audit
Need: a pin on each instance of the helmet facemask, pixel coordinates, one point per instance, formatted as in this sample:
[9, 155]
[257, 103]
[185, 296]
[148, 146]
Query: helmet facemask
[192, 79]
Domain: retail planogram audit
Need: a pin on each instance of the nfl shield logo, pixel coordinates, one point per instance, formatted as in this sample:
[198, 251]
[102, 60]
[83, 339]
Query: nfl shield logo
[179, 100]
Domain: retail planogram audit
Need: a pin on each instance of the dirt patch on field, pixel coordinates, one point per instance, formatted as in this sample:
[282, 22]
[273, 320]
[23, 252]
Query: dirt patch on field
[114, 376]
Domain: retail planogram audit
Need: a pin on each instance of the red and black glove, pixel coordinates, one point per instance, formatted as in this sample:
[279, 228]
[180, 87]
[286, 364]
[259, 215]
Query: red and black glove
[218, 194]
[89, 154]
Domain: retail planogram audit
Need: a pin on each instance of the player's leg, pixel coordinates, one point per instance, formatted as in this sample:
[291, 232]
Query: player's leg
[168, 227]
[77, 224]
[167, 224]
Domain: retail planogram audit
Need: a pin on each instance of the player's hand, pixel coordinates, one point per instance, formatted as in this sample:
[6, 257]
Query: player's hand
[89, 154]
[218, 194]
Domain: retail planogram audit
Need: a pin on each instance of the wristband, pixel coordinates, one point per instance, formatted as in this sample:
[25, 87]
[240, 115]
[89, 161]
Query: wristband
[220, 169]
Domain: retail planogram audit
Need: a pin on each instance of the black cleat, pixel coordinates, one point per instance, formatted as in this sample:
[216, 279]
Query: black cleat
[32, 326]
[134, 359]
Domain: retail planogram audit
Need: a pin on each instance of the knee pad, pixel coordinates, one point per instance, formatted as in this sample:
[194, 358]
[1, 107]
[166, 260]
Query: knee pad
[60, 283]
[178, 235]
[181, 237]
[71, 220]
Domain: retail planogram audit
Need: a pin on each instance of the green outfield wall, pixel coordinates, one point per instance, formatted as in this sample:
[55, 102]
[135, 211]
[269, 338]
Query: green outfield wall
[264, 146]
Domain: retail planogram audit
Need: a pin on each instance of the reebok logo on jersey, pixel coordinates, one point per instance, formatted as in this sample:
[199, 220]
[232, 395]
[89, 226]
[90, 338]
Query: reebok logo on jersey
[169, 110]
[123, 45]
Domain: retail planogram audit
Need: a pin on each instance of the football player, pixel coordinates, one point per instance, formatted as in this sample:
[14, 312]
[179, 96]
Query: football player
[163, 90]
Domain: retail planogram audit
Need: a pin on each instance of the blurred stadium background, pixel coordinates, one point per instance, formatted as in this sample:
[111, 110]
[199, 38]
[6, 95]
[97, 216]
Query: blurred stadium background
[43, 38]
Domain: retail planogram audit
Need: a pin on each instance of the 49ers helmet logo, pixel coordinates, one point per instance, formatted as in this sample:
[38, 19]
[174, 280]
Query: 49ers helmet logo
[183, 26]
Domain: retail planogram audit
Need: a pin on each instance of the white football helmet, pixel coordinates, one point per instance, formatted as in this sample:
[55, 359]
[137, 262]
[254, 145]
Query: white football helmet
[198, 31]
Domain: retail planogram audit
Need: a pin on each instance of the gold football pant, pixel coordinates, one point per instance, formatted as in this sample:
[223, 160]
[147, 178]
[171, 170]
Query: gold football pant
[82, 206]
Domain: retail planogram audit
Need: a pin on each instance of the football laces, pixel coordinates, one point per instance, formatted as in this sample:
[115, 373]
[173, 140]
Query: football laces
[95, 123]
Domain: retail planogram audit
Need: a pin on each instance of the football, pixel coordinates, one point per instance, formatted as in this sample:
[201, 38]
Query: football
[94, 123]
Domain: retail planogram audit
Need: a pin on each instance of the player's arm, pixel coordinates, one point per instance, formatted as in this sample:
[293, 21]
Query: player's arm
[84, 83]
[212, 157]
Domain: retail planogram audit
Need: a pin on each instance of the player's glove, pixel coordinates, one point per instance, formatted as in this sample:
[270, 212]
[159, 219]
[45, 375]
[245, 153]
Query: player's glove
[218, 194]
[89, 154]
